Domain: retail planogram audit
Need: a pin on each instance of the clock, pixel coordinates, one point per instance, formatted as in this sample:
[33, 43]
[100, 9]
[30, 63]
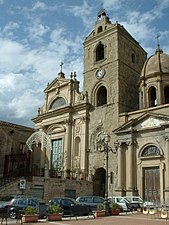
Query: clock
[100, 73]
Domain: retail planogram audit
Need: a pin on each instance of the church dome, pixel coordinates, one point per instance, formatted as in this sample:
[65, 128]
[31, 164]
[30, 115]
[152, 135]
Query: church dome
[157, 63]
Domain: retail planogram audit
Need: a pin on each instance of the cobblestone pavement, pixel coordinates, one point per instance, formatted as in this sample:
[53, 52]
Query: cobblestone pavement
[124, 219]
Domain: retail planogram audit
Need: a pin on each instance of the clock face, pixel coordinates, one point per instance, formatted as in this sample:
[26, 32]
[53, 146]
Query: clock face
[100, 73]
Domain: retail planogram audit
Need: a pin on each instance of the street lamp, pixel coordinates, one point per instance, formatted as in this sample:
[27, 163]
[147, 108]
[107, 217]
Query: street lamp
[106, 150]
[103, 140]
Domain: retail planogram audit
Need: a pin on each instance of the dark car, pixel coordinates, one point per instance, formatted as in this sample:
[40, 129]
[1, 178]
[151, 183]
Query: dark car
[92, 201]
[67, 204]
[18, 204]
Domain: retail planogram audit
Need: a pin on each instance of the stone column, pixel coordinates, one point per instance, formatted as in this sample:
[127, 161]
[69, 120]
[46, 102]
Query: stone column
[46, 170]
[159, 97]
[67, 145]
[84, 146]
[130, 166]
[145, 100]
[119, 182]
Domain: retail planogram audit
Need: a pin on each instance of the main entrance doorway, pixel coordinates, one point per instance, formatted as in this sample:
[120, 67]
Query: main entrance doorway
[99, 182]
[151, 184]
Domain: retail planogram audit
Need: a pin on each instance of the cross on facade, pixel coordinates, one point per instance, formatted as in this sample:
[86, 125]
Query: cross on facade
[61, 66]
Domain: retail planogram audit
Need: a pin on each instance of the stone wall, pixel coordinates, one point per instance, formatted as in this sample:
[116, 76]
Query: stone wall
[47, 188]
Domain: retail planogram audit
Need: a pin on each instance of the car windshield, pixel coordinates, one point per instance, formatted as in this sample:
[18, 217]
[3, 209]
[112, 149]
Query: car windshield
[120, 200]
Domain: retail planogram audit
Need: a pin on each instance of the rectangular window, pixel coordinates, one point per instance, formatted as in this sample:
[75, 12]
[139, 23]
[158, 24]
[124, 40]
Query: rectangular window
[56, 156]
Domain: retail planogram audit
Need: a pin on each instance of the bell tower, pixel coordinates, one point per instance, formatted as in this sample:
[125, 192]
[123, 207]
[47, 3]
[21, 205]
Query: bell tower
[113, 61]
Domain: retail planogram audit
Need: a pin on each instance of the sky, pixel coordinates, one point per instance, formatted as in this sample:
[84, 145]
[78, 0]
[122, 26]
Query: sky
[36, 36]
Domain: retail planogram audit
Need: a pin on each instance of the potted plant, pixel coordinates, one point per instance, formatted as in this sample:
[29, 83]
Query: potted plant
[100, 211]
[30, 215]
[54, 212]
[114, 208]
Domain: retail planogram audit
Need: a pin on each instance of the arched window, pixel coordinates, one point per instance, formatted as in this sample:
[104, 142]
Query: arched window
[57, 103]
[77, 146]
[100, 52]
[152, 96]
[166, 94]
[100, 29]
[133, 58]
[150, 150]
[101, 96]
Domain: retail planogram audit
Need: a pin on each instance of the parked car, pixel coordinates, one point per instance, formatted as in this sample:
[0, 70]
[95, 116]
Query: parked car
[18, 204]
[66, 203]
[120, 201]
[93, 201]
[133, 202]
[4, 200]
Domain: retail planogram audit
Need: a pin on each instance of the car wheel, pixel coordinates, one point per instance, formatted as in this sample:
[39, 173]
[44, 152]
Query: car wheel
[12, 214]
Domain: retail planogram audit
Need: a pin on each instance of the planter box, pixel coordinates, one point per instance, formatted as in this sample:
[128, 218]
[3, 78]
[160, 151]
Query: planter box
[29, 218]
[115, 212]
[55, 217]
[100, 213]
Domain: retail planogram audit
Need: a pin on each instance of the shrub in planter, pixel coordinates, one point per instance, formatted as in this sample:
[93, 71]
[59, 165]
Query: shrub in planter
[30, 211]
[54, 212]
[30, 215]
[100, 207]
[100, 211]
[114, 208]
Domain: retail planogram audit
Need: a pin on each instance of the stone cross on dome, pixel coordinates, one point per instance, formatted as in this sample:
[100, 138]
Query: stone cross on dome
[157, 37]
[61, 66]
[158, 44]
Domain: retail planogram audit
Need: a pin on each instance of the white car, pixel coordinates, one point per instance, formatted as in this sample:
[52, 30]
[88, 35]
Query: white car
[136, 202]
[120, 201]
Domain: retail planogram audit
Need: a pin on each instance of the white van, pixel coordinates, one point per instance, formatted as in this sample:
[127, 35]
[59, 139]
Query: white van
[138, 200]
[133, 202]
[120, 201]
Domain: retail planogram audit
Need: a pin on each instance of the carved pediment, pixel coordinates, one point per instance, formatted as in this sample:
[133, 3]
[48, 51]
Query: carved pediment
[152, 122]
[57, 84]
[146, 121]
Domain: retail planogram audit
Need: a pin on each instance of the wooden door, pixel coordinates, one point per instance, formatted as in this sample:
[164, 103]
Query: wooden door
[151, 184]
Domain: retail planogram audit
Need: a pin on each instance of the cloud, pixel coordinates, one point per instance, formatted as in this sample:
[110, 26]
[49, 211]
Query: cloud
[114, 4]
[39, 5]
[24, 105]
[83, 12]
[25, 70]
[36, 31]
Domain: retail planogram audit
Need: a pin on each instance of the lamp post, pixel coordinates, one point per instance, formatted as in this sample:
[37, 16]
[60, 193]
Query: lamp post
[103, 140]
[106, 149]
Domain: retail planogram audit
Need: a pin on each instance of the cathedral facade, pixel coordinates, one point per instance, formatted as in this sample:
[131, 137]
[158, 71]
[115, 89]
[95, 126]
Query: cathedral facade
[126, 97]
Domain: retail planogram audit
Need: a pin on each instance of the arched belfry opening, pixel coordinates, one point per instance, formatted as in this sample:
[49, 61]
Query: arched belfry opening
[99, 182]
[100, 52]
[152, 96]
[100, 29]
[101, 96]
